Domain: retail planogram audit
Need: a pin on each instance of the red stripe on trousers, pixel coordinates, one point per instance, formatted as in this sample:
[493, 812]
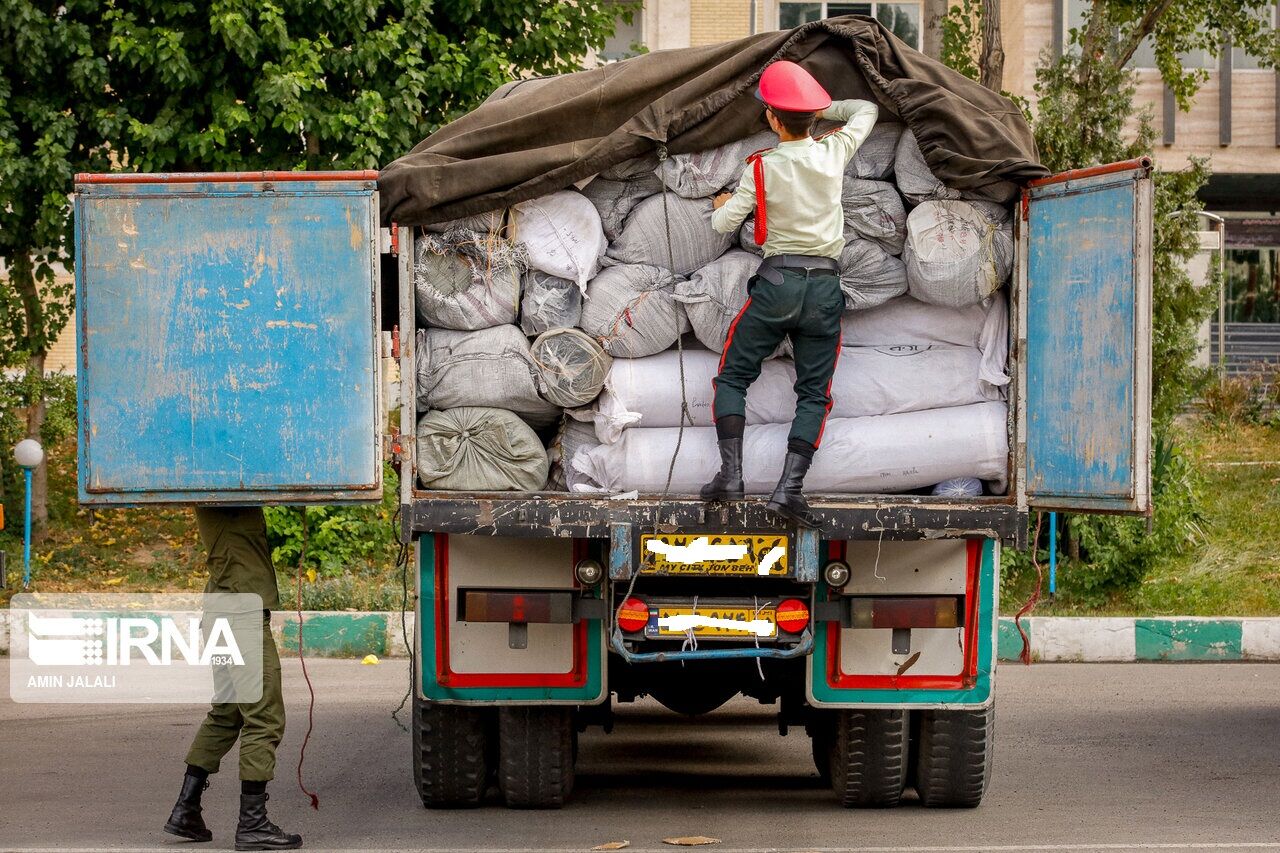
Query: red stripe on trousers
[830, 400]
[733, 327]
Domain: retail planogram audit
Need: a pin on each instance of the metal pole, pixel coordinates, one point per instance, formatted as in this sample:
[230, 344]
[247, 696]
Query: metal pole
[1222, 296]
[26, 532]
[1053, 554]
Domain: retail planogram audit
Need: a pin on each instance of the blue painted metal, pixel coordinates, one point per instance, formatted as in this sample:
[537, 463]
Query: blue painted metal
[800, 649]
[1053, 554]
[806, 557]
[620, 555]
[228, 341]
[1084, 345]
[26, 528]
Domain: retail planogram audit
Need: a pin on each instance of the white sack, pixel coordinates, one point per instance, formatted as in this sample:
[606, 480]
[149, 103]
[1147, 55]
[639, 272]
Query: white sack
[645, 392]
[466, 280]
[694, 244]
[747, 237]
[912, 175]
[873, 211]
[572, 365]
[909, 321]
[563, 234]
[614, 200]
[875, 157]
[484, 223]
[958, 252]
[489, 367]
[704, 173]
[869, 275]
[476, 449]
[714, 295]
[631, 310]
[549, 302]
[572, 436]
[882, 454]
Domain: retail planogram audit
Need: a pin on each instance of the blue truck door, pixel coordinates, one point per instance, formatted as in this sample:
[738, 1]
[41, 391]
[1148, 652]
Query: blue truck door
[228, 338]
[1084, 341]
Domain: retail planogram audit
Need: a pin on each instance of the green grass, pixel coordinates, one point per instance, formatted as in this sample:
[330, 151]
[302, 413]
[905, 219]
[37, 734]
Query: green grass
[1234, 570]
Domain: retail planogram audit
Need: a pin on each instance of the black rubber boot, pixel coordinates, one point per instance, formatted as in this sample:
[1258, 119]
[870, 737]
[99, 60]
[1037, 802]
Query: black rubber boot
[256, 832]
[787, 499]
[727, 484]
[186, 821]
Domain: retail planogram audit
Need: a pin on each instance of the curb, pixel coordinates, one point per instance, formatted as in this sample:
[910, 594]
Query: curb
[1056, 639]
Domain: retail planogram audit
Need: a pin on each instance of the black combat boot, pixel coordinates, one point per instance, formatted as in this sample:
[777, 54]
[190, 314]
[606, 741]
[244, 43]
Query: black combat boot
[256, 832]
[185, 821]
[787, 499]
[727, 484]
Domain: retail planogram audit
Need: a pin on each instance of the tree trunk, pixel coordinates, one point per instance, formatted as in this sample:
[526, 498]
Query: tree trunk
[992, 60]
[22, 275]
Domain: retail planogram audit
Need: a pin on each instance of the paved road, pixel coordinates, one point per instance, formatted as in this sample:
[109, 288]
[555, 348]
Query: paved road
[1124, 756]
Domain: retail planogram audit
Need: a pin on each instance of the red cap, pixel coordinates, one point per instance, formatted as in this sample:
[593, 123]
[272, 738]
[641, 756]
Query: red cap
[787, 87]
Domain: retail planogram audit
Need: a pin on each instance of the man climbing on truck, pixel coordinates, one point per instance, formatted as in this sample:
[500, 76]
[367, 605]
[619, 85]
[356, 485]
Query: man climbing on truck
[794, 190]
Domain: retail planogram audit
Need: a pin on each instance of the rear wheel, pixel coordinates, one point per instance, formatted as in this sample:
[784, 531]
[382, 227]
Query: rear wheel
[451, 745]
[868, 757]
[535, 756]
[953, 767]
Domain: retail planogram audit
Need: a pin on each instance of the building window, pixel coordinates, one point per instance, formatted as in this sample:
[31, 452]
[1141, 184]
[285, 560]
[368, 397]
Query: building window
[901, 19]
[627, 39]
[1145, 56]
[1253, 285]
[1241, 61]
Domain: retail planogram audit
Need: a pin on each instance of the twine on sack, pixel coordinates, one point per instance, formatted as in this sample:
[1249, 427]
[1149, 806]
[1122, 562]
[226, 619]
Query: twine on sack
[311, 690]
[1025, 654]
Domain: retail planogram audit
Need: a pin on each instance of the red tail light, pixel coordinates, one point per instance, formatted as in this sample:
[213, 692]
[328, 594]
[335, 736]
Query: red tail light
[793, 615]
[633, 615]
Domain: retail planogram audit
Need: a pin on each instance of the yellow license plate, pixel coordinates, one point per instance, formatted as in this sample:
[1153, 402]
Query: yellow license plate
[723, 622]
[760, 555]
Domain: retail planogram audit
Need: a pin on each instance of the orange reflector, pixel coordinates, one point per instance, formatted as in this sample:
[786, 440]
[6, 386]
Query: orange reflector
[633, 615]
[792, 615]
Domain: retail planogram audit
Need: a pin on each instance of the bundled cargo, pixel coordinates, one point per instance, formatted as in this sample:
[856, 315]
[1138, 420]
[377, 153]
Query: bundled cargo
[467, 280]
[713, 296]
[915, 180]
[958, 253]
[573, 366]
[562, 233]
[870, 276]
[875, 157]
[704, 173]
[883, 453]
[873, 211]
[672, 232]
[490, 367]
[573, 435]
[631, 310]
[489, 223]
[479, 450]
[615, 199]
[645, 392]
[549, 302]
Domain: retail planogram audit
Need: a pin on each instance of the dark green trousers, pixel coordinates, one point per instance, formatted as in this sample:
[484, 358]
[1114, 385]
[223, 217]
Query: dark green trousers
[239, 560]
[806, 307]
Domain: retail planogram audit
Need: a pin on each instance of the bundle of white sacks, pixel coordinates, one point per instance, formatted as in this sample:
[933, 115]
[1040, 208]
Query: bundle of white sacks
[558, 320]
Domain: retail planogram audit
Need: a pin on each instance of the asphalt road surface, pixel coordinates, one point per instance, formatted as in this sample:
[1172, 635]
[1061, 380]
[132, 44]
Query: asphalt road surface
[1089, 757]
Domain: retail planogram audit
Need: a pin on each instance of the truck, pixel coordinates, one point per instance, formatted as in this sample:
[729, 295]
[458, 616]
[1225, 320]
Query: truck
[232, 330]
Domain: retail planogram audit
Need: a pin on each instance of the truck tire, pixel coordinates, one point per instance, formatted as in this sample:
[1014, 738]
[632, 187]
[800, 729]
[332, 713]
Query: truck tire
[451, 749]
[953, 765]
[868, 763]
[535, 756]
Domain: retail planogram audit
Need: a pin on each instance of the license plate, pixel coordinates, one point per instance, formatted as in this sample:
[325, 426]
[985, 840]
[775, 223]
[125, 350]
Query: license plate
[715, 622]
[751, 555]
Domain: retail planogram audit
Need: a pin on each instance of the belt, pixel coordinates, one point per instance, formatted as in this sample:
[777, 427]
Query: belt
[770, 267]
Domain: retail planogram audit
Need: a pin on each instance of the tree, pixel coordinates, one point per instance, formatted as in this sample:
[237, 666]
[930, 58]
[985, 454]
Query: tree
[971, 41]
[55, 116]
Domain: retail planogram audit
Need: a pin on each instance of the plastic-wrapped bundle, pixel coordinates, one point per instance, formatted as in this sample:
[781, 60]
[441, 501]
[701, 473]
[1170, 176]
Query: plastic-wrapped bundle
[870, 276]
[912, 174]
[464, 280]
[631, 310]
[958, 253]
[489, 367]
[958, 487]
[479, 449]
[704, 173]
[614, 200]
[873, 211]
[563, 234]
[875, 157]
[904, 320]
[884, 453]
[573, 436]
[572, 364]
[694, 244]
[549, 302]
[645, 392]
[713, 296]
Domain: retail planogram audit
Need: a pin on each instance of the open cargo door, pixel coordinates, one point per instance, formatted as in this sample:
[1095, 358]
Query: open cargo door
[1084, 365]
[228, 334]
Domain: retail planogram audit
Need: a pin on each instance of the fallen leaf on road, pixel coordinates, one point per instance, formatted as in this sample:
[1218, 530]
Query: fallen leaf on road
[612, 845]
[369, 660]
[691, 840]
[114, 581]
[311, 575]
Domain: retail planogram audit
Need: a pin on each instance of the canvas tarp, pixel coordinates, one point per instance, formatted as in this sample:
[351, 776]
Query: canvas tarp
[538, 139]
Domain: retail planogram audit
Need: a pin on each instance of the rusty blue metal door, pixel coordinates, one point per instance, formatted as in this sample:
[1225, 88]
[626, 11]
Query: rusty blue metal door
[1084, 341]
[228, 334]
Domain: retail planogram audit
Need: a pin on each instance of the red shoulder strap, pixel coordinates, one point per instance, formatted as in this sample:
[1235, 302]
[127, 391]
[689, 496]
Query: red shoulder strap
[762, 223]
